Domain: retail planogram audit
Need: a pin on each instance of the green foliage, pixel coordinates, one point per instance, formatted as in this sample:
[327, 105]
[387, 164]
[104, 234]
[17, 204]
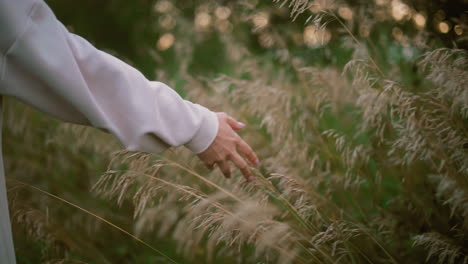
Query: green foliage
[360, 124]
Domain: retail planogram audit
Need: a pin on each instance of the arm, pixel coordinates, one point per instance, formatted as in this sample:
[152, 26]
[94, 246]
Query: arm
[65, 76]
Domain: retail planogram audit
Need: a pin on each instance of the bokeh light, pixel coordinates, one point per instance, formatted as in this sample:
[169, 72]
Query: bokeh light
[444, 27]
[458, 30]
[202, 20]
[166, 41]
[163, 6]
[419, 20]
[314, 8]
[260, 19]
[265, 40]
[313, 37]
[400, 10]
[381, 2]
[345, 12]
[222, 12]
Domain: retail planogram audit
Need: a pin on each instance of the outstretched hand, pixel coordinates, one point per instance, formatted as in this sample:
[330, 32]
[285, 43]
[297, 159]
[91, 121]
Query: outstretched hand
[228, 146]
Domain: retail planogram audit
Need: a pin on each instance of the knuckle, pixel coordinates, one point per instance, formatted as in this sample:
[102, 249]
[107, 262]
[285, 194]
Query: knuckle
[243, 144]
[220, 158]
[235, 142]
[248, 148]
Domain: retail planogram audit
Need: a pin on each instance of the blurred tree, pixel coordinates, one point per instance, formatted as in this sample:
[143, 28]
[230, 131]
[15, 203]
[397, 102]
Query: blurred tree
[453, 13]
[117, 26]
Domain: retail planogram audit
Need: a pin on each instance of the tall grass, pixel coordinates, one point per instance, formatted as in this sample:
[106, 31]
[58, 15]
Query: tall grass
[358, 165]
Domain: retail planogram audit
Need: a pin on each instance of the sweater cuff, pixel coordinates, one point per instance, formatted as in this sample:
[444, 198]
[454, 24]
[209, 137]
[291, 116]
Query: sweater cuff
[206, 133]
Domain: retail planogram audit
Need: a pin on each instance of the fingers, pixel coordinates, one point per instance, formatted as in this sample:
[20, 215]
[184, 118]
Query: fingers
[234, 124]
[243, 147]
[225, 169]
[228, 146]
[243, 167]
[210, 166]
[247, 151]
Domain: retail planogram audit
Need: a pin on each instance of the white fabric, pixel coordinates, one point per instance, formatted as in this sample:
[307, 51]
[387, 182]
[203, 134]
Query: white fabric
[44, 65]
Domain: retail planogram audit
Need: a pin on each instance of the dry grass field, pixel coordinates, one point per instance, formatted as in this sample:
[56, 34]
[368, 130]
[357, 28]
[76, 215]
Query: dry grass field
[358, 113]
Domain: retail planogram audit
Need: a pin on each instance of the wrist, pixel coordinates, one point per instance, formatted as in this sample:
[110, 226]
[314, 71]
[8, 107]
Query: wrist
[206, 133]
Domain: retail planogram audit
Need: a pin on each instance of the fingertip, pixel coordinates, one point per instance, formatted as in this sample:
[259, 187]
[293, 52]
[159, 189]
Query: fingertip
[227, 174]
[238, 126]
[250, 178]
[234, 124]
[254, 160]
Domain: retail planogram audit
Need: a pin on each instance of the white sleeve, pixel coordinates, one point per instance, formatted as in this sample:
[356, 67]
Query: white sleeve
[65, 76]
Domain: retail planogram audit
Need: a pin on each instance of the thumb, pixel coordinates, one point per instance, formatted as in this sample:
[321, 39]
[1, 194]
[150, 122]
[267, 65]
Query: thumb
[234, 124]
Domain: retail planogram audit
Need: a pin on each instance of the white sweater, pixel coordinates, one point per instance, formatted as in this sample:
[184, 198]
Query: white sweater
[45, 66]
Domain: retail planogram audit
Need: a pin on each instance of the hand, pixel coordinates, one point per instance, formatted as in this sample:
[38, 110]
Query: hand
[228, 146]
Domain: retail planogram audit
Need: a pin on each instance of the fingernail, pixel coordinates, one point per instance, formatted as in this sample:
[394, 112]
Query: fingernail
[257, 162]
[241, 124]
[250, 178]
